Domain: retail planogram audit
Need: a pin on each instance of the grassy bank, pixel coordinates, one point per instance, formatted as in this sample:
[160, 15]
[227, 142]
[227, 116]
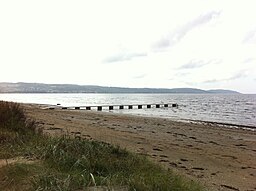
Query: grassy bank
[38, 162]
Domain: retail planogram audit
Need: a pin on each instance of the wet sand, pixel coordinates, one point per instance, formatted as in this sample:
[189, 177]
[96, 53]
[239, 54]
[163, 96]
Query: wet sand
[220, 158]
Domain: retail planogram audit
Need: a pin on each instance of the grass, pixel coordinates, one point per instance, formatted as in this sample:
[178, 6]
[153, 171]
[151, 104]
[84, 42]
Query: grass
[67, 164]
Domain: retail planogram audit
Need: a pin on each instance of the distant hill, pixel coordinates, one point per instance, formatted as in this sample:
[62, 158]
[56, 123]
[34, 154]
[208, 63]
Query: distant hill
[221, 91]
[21, 87]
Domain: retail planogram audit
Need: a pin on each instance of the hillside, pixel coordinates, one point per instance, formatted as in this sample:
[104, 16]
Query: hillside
[221, 91]
[21, 87]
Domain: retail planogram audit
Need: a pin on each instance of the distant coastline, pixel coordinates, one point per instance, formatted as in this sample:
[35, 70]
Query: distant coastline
[21, 87]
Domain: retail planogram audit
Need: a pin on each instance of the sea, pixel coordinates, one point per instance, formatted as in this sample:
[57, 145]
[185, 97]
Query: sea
[238, 110]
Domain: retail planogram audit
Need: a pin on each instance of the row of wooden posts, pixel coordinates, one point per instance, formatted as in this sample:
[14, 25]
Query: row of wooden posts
[111, 107]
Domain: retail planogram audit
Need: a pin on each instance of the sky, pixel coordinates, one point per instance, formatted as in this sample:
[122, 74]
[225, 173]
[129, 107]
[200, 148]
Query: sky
[129, 43]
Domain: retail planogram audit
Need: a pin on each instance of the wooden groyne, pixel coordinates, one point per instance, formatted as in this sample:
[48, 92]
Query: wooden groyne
[112, 107]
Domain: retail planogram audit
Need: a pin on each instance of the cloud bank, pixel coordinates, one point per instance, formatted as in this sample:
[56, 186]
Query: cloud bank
[179, 33]
[124, 56]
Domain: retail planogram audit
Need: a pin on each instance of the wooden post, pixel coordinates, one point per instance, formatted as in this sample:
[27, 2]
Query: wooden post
[148, 106]
[129, 106]
[174, 105]
[165, 105]
[88, 108]
[77, 107]
[121, 107]
[111, 107]
[157, 106]
[99, 108]
[139, 106]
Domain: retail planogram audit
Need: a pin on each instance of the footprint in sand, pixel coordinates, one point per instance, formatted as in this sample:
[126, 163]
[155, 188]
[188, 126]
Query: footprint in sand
[180, 134]
[240, 145]
[247, 167]
[40, 123]
[173, 164]
[157, 149]
[75, 132]
[212, 142]
[198, 168]
[54, 128]
[229, 156]
[229, 187]
[183, 160]
[163, 160]
[184, 167]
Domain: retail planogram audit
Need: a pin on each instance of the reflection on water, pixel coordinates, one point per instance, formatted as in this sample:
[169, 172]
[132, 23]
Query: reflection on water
[236, 109]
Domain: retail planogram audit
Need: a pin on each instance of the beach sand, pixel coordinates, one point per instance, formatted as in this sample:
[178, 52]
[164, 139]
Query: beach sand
[220, 158]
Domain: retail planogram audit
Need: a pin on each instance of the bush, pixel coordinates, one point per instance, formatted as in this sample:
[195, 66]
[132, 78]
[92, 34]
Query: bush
[14, 125]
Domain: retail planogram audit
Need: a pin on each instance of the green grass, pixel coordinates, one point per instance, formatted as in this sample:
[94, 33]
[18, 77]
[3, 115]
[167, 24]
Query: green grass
[67, 164]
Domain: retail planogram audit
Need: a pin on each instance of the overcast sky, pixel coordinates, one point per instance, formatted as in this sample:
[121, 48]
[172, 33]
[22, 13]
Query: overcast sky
[162, 44]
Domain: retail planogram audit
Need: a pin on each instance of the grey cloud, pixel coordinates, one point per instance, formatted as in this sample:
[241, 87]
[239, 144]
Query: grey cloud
[124, 56]
[241, 74]
[237, 76]
[175, 36]
[250, 37]
[162, 43]
[211, 81]
[192, 64]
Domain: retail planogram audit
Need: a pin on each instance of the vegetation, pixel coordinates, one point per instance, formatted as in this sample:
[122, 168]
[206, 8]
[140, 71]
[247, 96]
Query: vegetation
[51, 163]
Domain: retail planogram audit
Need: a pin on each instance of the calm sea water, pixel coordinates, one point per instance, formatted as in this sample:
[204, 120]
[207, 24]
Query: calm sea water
[237, 109]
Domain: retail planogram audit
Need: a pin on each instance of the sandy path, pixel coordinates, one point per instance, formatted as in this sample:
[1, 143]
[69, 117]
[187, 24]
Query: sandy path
[221, 158]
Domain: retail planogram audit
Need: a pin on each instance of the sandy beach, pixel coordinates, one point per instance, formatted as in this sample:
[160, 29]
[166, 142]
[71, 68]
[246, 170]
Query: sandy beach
[220, 158]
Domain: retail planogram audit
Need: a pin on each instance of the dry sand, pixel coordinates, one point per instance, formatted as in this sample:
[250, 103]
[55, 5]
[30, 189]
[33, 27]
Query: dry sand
[220, 158]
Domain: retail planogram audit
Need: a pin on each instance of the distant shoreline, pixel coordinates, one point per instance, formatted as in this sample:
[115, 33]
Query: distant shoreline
[21, 87]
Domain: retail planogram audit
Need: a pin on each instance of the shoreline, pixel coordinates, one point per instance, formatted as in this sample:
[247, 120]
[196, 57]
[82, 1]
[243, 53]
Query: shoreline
[220, 158]
[182, 120]
[223, 125]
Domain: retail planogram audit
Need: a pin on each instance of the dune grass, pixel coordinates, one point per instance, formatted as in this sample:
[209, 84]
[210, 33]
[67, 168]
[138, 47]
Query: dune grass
[64, 163]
